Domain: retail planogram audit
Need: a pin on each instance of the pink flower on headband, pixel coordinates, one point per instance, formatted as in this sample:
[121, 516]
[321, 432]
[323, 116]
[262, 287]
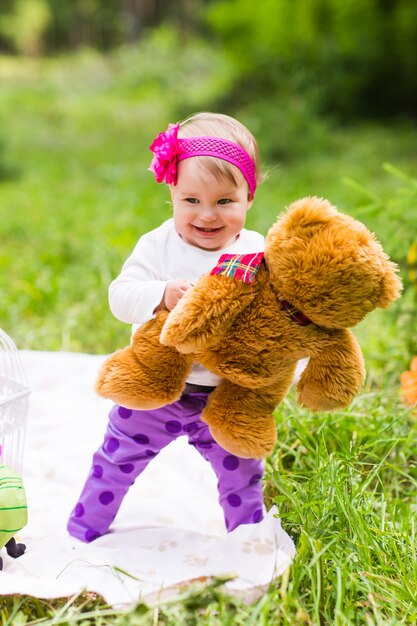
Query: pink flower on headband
[165, 149]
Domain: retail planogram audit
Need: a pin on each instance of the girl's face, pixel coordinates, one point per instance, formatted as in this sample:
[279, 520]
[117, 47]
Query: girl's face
[208, 213]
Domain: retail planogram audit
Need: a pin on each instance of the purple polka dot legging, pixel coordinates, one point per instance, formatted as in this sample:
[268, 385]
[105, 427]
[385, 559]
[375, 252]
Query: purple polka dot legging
[133, 438]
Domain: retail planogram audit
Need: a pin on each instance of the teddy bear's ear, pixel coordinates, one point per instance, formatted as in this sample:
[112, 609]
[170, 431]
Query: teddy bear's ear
[391, 285]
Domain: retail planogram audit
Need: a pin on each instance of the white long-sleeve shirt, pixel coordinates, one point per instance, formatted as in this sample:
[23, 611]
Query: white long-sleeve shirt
[162, 255]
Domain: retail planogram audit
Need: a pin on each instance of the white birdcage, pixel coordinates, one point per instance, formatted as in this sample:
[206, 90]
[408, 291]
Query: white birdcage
[14, 404]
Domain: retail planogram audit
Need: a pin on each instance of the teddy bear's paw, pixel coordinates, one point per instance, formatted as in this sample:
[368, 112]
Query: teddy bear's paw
[186, 340]
[243, 445]
[122, 380]
[315, 400]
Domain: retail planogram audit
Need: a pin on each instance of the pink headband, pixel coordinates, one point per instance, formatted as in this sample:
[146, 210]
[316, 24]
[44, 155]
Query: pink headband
[168, 150]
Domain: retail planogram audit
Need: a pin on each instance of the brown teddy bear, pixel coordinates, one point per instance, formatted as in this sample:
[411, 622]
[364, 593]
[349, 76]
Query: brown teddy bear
[252, 319]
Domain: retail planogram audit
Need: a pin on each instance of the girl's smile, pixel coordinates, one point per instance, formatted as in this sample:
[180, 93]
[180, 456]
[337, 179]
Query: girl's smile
[209, 232]
[208, 213]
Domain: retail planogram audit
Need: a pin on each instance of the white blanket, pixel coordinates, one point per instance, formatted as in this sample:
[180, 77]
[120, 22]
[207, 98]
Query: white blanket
[169, 529]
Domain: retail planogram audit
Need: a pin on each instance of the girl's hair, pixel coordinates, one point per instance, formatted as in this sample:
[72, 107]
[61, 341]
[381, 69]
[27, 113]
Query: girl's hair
[224, 127]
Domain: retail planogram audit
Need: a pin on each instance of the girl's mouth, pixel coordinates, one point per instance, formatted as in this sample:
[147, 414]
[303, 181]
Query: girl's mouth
[207, 231]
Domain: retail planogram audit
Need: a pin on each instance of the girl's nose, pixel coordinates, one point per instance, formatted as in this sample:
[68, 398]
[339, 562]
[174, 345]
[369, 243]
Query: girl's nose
[208, 213]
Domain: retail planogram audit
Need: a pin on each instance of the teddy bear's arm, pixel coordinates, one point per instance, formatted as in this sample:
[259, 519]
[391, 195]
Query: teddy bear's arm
[205, 312]
[145, 375]
[334, 375]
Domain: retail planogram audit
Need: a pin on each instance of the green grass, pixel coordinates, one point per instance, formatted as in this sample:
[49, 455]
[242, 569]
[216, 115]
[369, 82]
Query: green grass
[346, 487]
[75, 196]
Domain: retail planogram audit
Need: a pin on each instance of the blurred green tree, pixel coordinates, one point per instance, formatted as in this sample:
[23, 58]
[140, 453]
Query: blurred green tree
[34, 26]
[25, 25]
[291, 61]
[349, 57]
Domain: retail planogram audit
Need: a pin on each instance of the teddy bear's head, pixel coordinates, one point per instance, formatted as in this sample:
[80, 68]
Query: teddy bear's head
[328, 265]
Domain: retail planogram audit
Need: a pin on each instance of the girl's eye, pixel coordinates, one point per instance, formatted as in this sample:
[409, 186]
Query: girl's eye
[224, 201]
[191, 200]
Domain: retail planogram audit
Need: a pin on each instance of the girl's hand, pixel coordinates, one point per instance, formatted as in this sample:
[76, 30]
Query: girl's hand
[174, 291]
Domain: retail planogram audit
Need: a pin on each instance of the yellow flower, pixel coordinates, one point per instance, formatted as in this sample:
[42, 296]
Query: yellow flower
[412, 263]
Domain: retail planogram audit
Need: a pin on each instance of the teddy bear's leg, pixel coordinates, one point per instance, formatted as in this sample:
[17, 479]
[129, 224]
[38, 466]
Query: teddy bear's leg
[334, 375]
[146, 374]
[241, 420]
[15, 549]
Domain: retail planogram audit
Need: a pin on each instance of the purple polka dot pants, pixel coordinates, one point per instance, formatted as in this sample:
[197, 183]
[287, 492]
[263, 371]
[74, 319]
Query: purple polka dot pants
[133, 438]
